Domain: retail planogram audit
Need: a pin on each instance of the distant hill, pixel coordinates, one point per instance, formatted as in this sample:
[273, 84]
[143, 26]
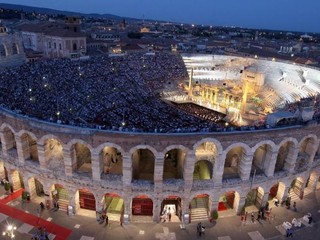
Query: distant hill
[55, 12]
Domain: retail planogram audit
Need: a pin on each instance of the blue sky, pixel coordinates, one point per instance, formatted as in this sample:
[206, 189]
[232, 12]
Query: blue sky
[293, 15]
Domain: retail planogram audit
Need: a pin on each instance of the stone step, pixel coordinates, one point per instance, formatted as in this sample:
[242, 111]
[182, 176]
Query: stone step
[63, 204]
[199, 214]
[114, 217]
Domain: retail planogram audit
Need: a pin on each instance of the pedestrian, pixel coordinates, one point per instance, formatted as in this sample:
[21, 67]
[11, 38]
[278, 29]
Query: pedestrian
[121, 220]
[262, 214]
[252, 217]
[259, 216]
[295, 206]
[289, 232]
[199, 229]
[169, 216]
[107, 220]
[42, 206]
[164, 216]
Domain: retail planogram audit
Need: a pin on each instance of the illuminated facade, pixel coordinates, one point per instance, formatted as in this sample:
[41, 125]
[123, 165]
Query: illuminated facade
[139, 174]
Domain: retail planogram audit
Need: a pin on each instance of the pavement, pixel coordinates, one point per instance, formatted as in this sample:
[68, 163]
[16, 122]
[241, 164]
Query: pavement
[225, 228]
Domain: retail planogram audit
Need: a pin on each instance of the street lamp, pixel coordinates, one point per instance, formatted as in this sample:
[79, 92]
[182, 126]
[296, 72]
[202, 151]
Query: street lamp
[10, 231]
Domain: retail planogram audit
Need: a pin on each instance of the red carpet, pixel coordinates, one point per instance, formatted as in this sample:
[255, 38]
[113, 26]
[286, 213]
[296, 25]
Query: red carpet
[60, 232]
[222, 206]
[12, 196]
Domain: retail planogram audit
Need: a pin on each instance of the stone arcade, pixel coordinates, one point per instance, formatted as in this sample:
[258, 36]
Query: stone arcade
[141, 174]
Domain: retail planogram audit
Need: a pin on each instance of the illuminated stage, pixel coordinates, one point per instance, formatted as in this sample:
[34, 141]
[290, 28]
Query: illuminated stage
[246, 89]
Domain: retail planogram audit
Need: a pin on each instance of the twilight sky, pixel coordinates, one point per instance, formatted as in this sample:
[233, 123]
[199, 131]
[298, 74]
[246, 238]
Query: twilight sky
[294, 15]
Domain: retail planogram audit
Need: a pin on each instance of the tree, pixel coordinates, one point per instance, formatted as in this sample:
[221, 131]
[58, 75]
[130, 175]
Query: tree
[7, 186]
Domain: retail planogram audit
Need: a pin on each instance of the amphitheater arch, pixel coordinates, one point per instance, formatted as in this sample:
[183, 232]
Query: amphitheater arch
[297, 187]
[229, 202]
[53, 153]
[254, 200]
[113, 205]
[36, 188]
[3, 50]
[17, 180]
[217, 144]
[80, 153]
[199, 207]
[142, 205]
[206, 151]
[286, 154]
[262, 156]
[171, 204]
[44, 138]
[60, 195]
[203, 170]
[84, 199]
[277, 191]
[111, 145]
[110, 158]
[307, 148]
[143, 162]
[311, 183]
[3, 171]
[9, 140]
[6, 125]
[174, 162]
[29, 147]
[235, 157]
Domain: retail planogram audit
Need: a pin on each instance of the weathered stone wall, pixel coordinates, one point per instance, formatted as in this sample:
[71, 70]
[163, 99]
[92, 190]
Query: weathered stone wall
[128, 144]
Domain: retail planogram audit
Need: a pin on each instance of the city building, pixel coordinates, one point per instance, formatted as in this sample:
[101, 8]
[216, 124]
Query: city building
[11, 49]
[55, 40]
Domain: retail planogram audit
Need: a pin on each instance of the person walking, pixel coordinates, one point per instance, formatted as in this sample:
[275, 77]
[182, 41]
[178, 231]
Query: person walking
[289, 232]
[252, 217]
[107, 220]
[295, 206]
[259, 216]
[121, 220]
[42, 206]
[199, 229]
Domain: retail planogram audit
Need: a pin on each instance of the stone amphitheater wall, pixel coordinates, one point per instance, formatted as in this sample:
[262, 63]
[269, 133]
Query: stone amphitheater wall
[304, 145]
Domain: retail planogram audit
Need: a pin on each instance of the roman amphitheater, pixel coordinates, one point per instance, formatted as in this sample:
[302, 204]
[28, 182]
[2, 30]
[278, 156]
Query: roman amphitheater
[233, 164]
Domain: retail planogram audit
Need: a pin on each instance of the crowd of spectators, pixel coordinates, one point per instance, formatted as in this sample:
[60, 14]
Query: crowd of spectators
[308, 102]
[101, 92]
[113, 93]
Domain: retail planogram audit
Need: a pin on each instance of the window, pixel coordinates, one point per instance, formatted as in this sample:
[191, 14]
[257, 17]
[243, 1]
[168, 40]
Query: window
[54, 45]
[2, 51]
[60, 47]
[49, 44]
[14, 48]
